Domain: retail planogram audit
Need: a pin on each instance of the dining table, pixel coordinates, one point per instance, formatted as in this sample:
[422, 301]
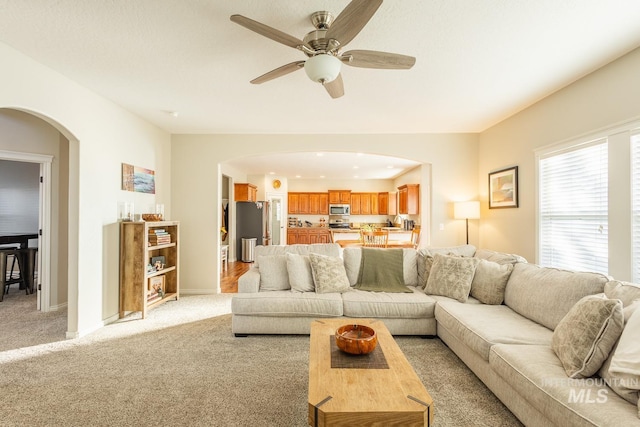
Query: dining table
[22, 239]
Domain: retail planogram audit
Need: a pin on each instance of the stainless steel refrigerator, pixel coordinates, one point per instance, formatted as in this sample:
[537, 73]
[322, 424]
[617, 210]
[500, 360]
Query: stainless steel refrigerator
[253, 221]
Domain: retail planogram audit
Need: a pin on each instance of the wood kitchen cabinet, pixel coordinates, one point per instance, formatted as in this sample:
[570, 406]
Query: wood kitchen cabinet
[409, 199]
[308, 203]
[245, 193]
[306, 236]
[387, 203]
[364, 203]
[340, 197]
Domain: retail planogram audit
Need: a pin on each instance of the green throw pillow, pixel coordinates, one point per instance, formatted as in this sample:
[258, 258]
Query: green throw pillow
[381, 271]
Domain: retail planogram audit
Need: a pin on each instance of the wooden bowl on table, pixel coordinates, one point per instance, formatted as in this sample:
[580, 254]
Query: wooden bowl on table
[356, 339]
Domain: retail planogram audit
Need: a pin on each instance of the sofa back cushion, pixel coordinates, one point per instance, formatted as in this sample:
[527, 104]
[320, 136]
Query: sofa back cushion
[328, 249]
[353, 257]
[425, 259]
[624, 291]
[499, 257]
[545, 295]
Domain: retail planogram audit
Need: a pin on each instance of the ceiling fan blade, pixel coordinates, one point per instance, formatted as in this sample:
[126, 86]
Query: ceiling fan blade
[352, 20]
[278, 72]
[375, 59]
[335, 87]
[267, 31]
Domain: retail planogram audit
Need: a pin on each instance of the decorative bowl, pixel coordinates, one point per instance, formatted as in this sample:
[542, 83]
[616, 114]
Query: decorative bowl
[356, 339]
[152, 217]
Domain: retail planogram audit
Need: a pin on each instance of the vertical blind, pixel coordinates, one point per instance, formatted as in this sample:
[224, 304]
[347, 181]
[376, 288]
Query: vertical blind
[635, 176]
[574, 208]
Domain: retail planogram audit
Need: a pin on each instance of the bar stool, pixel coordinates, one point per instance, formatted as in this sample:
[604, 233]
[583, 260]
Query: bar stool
[7, 276]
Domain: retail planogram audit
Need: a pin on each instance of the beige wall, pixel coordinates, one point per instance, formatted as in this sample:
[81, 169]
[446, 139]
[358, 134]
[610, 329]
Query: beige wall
[196, 180]
[600, 100]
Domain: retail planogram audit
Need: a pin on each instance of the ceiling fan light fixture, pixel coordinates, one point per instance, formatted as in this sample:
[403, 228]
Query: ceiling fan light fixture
[323, 68]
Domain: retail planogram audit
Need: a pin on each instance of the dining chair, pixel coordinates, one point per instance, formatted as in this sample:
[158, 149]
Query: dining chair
[8, 275]
[375, 239]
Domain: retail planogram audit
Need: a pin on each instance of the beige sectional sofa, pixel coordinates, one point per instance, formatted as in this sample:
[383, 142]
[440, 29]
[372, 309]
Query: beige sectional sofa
[519, 327]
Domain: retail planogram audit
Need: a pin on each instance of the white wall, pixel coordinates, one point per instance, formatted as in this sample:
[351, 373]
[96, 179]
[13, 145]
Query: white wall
[602, 99]
[453, 174]
[101, 137]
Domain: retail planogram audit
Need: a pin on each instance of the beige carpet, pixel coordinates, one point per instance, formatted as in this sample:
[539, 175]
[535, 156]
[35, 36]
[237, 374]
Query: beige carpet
[183, 366]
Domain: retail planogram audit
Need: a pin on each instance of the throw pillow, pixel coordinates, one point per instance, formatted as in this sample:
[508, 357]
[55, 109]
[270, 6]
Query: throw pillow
[300, 275]
[451, 276]
[490, 281]
[273, 273]
[585, 336]
[625, 363]
[329, 274]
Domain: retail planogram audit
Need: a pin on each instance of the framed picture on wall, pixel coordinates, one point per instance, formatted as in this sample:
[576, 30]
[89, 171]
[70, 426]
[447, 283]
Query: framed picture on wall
[503, 188]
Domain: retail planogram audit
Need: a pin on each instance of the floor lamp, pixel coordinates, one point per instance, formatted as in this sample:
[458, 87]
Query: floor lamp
[466, 211]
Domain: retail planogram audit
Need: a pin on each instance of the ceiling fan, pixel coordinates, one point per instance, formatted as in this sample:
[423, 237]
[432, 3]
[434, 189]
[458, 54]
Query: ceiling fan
[323, 46]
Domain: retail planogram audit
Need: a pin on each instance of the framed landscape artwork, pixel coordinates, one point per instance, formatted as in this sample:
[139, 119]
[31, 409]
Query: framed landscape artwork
[503, 188]
[138, 179]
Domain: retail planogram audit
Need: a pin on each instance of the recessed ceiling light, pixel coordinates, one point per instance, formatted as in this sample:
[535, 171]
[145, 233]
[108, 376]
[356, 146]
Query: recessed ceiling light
[319, 154]
[355, 176]
[390, 167]
[321, 176]
[272, 173]
[298, 176]
[356, 167]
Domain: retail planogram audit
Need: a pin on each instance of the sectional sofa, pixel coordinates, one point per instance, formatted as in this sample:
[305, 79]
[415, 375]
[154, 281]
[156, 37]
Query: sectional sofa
[556, 347]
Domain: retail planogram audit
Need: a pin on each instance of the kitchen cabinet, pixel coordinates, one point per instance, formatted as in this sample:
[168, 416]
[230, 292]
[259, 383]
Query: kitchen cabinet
[339, 197]
[306, 236]
[387, 203]
[245, 192]
[409, 199]
[364, 203]
[308, 203]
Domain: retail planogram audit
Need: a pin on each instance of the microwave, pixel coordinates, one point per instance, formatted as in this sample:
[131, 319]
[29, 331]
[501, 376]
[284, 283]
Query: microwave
[339, 210]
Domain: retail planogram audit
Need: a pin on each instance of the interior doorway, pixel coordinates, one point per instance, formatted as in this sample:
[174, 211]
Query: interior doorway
[277, 221]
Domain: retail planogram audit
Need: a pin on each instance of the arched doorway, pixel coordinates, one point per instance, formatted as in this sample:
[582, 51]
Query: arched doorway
[32, 137]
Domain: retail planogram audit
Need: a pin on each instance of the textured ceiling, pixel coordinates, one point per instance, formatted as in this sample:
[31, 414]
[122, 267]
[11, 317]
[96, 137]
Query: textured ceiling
[478, 61]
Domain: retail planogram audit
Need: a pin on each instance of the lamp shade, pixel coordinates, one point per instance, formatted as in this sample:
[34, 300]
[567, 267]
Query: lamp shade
[322, 68]
[466, 210]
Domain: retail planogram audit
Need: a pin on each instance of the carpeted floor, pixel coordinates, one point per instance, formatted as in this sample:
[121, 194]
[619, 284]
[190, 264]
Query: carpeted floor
[183, 366]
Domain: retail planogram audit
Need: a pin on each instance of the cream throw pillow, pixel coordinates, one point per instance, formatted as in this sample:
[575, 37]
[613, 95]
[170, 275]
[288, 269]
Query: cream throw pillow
[300, 275]
[451, 276]
[329, 274]
[585, 336]
[490, 281]
[273, 273]
[625, 363]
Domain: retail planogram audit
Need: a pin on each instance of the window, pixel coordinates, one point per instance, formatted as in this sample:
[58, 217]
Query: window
[573, 208]
[635, 179]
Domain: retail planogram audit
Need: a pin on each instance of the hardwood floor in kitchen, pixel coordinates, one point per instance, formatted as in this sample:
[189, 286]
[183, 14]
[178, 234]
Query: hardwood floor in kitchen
[229, 276]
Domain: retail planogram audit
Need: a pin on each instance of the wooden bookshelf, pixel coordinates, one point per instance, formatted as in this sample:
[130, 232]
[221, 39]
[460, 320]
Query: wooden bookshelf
[137, 249]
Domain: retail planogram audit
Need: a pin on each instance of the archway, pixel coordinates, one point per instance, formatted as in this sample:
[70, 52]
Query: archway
[64, 214]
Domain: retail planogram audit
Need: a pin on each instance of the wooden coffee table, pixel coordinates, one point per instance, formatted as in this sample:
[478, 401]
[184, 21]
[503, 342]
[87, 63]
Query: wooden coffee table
[376, 389]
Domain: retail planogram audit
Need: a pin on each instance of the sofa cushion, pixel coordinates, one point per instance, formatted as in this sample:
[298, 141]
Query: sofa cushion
[273, 273]
[499, 257]
[300, 275]
[480, 326]
[624, 291]
[490, 281]
[287, 304]
[353, 257]
[625, 363]
[536, 374]
[545, 295]
[329, 274]
[329, 249]
[425, 258]
[451, 276]
[415, 305]
[585, 336]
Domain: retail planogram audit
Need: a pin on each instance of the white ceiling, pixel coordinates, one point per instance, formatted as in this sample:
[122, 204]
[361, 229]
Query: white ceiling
[478, 61]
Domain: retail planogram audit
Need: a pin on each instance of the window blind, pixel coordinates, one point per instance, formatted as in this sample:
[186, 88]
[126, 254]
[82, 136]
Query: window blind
[635, 185]
[573, 205]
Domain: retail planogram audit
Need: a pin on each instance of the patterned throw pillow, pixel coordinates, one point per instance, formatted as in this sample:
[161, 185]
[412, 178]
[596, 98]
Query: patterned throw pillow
[451, 276]
[329, 274]
[300, 275]
[585, 336]
[490, 281]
